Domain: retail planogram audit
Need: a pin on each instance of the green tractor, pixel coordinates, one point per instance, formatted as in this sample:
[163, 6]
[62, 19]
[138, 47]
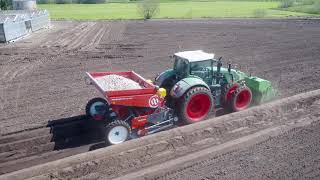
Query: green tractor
[198, 84]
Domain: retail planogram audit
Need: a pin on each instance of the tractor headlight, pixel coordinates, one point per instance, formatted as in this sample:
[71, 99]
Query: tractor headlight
[162, 92]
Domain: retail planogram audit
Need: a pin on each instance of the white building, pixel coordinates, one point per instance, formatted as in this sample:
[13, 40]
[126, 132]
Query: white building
[24, 5]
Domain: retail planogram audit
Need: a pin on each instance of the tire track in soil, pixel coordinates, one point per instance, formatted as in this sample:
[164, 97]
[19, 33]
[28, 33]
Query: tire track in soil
[208, 167]
[59, 139]
[179, 167]
[81, 37]
[136, 155]
[67, 35]
[87, 31]
[121, 41]
[136, 45]
[246, 163]
[95, 41]
[79, 42]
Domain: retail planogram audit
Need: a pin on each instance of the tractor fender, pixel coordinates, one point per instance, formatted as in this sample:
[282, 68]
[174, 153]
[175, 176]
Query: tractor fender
[164, 76]
[185, 84]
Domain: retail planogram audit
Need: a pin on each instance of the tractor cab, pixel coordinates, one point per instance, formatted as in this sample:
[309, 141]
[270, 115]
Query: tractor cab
[196, 64]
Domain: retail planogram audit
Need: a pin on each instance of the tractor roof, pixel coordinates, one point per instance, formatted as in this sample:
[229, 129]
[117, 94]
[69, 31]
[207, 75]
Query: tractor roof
[193, 56]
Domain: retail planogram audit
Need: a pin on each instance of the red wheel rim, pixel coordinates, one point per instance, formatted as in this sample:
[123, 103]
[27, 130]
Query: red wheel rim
[230, 92]
[243, 99]
[198, 107]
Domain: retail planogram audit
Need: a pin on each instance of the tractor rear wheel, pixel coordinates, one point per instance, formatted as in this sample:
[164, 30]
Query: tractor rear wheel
[241, 99]
[97, 109]
[195, 105]
[117, 132]
[229, 92]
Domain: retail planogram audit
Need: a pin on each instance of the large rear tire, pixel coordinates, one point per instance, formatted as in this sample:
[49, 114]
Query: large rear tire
[97, 109]
[195, 105]
[241, 99]
[229, 92]
[117, 132]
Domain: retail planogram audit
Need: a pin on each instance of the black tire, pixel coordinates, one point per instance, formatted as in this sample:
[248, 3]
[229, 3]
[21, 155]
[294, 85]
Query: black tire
[226, 91]
[241, 99]
[188, 116]
[105, 108]
[122, 126]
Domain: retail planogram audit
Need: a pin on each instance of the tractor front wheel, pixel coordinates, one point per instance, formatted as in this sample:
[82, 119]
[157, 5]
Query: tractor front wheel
[117, 132]
[195, 105]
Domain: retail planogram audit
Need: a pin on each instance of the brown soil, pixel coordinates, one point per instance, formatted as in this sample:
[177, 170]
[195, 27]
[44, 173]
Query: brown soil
[42, 76]
[293, 155]
[168, 153]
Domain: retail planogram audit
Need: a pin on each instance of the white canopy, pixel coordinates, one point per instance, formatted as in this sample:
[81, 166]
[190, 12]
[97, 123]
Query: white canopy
[194, 56]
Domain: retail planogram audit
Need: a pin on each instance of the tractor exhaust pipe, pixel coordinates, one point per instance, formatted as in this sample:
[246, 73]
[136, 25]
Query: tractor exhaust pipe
[219, 65]
[229, 71]
[218, 77]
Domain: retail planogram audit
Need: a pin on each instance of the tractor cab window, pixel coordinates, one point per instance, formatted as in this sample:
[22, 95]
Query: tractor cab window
[202, 66]
[202, 69]
[181, 67]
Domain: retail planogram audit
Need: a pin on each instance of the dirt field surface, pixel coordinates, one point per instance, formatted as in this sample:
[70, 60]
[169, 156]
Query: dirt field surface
[42, 75]
[43, 93]
[293, 155]
[249, 137]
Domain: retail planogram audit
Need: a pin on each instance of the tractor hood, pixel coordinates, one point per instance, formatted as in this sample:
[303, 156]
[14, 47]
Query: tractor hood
[236, 74]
